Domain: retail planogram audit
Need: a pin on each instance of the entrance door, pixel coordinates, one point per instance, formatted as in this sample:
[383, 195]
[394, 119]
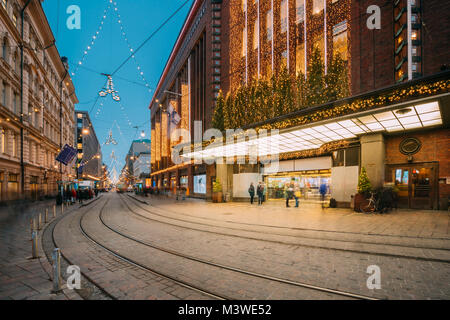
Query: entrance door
[416, 184]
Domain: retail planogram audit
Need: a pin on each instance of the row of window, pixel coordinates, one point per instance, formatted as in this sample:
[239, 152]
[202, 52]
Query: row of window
[339, 41]
[9, 145]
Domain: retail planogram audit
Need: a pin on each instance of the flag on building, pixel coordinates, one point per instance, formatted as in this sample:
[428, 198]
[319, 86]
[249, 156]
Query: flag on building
[174, 118]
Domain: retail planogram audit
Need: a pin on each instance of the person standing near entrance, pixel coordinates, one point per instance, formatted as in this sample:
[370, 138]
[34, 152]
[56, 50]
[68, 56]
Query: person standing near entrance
[297, 195]
[323, 191]
[260, 192]
[251, 191]
[289, 191]
[264, 192]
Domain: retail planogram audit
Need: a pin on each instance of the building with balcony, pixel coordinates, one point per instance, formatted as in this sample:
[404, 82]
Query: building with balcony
[37, 99]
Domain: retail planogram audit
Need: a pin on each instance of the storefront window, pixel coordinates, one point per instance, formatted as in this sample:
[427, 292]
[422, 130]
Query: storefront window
[13, 186]
[338, 158]
[308, 183]
[200, 184]
[352, 157]
[184, 181]
[173, 182]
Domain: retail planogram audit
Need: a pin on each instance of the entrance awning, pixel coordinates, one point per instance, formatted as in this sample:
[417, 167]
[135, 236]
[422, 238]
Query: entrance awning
[393, 119]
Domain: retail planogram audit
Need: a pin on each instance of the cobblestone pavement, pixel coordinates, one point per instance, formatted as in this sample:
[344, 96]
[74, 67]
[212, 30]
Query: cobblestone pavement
[20, 276]
[402, 278]
[435, 249]
[120, 279]
[330, 249]
[310, 216]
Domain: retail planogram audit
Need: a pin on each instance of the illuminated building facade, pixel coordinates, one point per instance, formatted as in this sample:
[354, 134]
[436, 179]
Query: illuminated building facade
[189, 85]
[37, 99]
[383, 125]
[89, 155]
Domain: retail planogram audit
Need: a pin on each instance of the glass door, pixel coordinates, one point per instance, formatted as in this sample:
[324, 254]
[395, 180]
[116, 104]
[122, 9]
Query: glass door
[422, 187]
[416, 185]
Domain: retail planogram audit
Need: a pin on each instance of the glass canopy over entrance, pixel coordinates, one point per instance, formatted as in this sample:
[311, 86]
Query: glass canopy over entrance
[313, 137]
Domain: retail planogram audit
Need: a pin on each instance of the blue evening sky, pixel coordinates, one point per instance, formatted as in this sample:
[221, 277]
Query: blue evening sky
[139, 19]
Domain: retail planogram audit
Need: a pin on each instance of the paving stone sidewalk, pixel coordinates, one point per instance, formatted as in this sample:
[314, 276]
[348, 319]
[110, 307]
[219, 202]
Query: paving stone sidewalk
[20, 276]
[400, 223]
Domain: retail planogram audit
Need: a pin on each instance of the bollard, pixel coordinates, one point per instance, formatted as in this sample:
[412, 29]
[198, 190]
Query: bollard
[39, 221]
[34, 245]
[56, 256]
[54, 211]
[46, 215]
[31, 225]
[62, 208]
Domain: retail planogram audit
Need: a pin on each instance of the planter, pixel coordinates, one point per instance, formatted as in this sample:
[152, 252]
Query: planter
[360, 200]
[217, 197]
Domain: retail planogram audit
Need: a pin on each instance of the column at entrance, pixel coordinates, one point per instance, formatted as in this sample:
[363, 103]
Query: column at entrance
[373, 158]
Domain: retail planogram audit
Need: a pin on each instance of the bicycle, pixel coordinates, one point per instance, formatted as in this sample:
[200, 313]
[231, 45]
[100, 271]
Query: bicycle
[371, 207]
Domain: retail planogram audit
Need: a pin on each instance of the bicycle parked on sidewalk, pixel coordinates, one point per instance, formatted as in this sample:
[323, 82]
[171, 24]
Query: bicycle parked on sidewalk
[381, 201]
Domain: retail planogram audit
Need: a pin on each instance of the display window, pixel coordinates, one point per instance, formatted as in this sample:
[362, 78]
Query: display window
[308, 184]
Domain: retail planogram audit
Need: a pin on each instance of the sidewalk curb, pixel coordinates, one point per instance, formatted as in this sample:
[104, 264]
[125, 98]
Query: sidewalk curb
[47, 265]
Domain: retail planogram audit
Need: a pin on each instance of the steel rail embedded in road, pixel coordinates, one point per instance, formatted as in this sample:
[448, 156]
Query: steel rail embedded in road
[238, 270]
[139, 265]
[287, 243]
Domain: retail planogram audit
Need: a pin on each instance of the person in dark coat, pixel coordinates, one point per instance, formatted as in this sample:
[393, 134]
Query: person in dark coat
[260, 193]
[80, 196]
[251, 191]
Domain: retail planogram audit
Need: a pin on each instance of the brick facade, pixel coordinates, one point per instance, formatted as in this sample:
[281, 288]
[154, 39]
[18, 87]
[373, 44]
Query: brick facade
[435, 148]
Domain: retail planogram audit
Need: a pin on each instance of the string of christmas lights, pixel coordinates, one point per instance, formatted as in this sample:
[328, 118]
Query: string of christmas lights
[130, 48]
[92, 42]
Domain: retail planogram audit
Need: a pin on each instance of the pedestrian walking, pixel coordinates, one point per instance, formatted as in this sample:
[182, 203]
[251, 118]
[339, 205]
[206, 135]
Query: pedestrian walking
[260, 191]
[289, 191]
[251, 191]
[323, 192]
[80, 196]
[74, 195]
[297, 195]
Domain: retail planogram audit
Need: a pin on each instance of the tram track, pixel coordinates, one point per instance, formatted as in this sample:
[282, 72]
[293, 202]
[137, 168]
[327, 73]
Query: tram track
[140, 265]
[234, 269]
[90, 289]
[284, 242]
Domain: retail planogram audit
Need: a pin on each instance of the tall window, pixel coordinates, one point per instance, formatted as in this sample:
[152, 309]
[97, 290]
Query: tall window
[16, 103]
[244, 42]
[3, 93]
[317, 6]
[14, 19]
[300, 59]
[299, 11]
[4, 3]
[269, 25]
[284, 59]
[283, 15]
[319, 42]
[256, 35]
[3, 141]
[14, 145]
[5, 49]
[340, 40]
